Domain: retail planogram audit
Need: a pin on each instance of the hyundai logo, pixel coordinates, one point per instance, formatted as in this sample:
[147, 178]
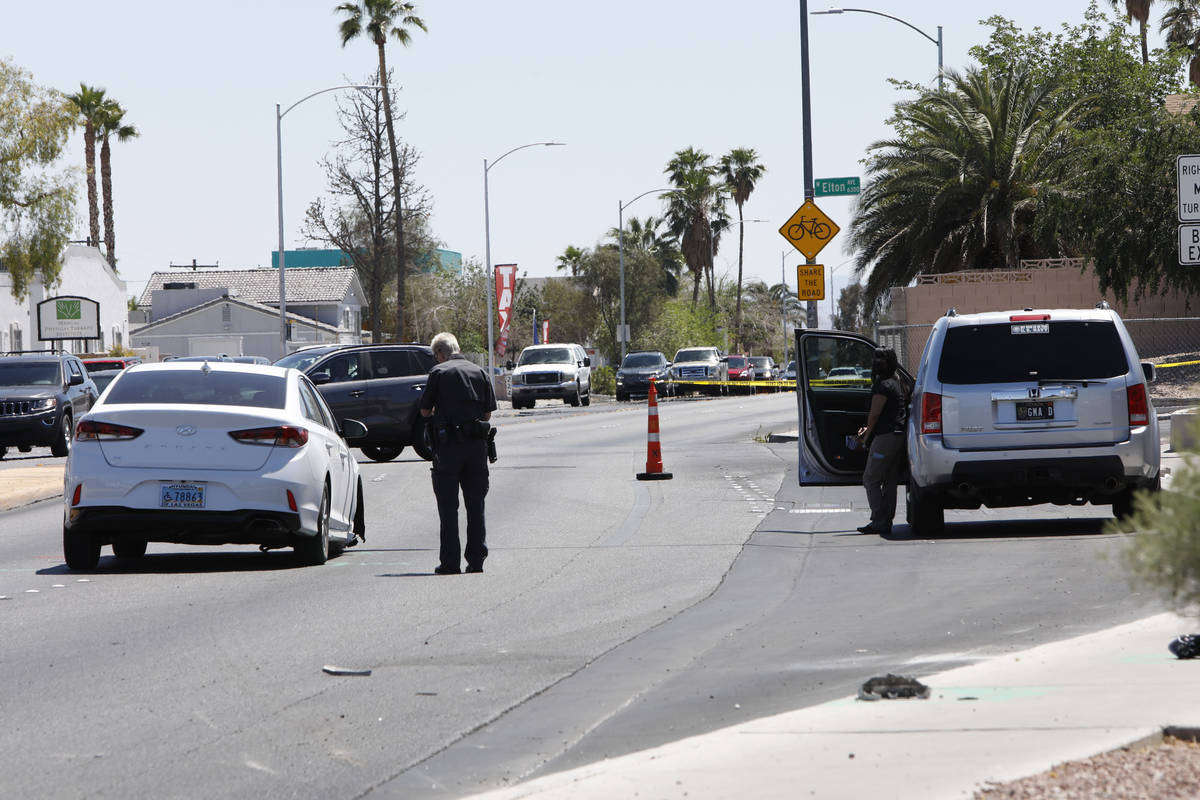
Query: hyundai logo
[186, 430]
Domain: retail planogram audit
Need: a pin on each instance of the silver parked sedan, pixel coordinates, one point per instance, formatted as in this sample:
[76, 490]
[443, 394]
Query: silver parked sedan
[211, 453]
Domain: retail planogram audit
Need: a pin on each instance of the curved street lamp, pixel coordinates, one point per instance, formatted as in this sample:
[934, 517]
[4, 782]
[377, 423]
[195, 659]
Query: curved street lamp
[621, 248]
[279, 115]
[937, 41]
[487, 246]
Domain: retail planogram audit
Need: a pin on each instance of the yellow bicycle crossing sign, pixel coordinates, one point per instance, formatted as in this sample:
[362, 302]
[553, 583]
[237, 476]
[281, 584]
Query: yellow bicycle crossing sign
[809, 229]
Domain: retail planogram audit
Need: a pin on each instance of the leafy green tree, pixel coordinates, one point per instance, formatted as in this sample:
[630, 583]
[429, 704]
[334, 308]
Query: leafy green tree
[36, 202]
[88, 103]
[571, 309]
[741, 171]
[679, 324]
[599, 274]
[379, 19]
[964, 182]
[110, 123]
[644, 234]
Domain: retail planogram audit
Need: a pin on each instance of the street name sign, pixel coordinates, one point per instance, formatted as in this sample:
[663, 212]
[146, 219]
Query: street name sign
[809, 229]
[824, 187]
[810, 281]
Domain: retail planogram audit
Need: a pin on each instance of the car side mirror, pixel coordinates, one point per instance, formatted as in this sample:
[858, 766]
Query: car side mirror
[1148, 370]
[320, 377]
[508, 365]
[353, 430]
[587, 361]
[74, 380]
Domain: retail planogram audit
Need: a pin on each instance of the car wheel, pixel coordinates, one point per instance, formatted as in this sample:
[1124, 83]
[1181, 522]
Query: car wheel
[1122, 505]
[420, 439]
[587, 398]
[129, 548]
[574, 399]
[622, 397]
[925, 514]
[3, 450]
[360, 514]
[81, 551]
[61, 445]
[385, 453]
[313, 551]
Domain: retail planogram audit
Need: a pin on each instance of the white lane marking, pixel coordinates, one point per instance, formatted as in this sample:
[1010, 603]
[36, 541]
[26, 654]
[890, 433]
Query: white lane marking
[32, 591]
[252, 764]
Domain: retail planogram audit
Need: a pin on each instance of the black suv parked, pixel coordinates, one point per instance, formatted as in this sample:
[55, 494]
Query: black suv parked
[378, 384]
[41, 394]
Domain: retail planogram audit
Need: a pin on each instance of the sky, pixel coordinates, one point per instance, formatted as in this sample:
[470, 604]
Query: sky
[624, 84]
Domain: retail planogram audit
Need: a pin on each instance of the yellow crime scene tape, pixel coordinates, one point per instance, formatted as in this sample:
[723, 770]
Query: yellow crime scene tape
[1177, 364]
[788, 384]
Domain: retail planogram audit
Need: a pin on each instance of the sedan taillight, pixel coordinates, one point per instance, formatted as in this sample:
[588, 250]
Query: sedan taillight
[282, 435]
[931, 413]
[1139, 410]
[93, 430]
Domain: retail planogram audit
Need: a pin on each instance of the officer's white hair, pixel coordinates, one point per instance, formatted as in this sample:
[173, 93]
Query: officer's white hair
[446, 344]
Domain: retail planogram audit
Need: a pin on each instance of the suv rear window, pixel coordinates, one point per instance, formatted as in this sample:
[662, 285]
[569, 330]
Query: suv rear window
[30, 373]
[200, 388]
[1023, 351]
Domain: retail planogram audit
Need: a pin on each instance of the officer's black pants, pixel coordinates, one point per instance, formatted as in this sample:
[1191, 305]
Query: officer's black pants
[461, 464]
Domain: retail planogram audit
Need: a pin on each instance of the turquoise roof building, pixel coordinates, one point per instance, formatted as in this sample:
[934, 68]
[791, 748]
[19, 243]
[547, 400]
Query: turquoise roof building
[447, 260]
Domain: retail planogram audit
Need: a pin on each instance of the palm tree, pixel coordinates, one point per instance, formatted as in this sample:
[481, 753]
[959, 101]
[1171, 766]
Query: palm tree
[689, 208]
[741, 170]
[1181, 25]
[1139, 10]
[644, 235]
[380, 19]
[88, 102]
[109, 123]
[963, 183]
[570, 260]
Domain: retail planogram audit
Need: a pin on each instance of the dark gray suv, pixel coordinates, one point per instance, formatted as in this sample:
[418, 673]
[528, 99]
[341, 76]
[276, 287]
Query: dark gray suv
[41, 395]
[378, 384]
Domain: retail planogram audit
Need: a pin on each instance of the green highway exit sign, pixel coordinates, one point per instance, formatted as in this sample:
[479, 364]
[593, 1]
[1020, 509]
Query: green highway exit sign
[824, 187]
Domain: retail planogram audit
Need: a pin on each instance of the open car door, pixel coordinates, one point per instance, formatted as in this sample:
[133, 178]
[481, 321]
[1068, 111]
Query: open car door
[833, 392]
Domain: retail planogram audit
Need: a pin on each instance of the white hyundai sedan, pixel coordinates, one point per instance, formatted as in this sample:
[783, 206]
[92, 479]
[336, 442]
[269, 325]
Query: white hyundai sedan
[211, 453]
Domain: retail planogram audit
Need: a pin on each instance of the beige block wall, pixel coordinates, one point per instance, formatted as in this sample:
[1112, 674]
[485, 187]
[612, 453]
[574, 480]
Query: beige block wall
[1063, 287]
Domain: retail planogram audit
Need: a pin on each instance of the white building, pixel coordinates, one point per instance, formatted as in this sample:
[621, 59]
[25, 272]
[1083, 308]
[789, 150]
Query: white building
[207, 312]
[85, 273]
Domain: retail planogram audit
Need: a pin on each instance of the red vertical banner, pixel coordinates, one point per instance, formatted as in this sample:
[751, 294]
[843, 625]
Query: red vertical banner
[506, 282]
[546, 331]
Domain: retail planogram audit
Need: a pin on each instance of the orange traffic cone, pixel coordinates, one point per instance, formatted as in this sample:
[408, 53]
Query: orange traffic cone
[654, 467]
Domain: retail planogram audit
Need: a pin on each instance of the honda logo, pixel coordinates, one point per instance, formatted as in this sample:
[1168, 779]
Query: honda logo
[1034, 393]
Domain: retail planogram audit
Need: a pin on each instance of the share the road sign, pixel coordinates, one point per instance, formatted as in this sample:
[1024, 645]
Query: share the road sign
[810, 281]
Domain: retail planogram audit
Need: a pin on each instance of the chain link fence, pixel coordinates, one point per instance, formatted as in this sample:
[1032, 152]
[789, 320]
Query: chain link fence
[1172, 344]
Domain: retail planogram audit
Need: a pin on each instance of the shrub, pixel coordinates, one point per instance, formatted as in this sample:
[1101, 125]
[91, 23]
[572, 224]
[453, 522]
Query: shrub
[604, 380]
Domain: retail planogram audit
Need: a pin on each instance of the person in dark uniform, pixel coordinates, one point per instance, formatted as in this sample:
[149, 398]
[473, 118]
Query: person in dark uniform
[459, 400]
[885, 432]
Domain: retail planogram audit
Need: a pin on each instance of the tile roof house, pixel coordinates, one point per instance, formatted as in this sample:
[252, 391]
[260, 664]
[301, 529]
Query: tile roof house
[205, 312]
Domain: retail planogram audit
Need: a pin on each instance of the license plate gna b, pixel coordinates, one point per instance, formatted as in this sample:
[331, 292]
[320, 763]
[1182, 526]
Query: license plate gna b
[181, 495]
[1035, 411]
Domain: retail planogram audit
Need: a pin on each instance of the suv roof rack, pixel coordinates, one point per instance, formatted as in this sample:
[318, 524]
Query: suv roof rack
[37, 353]
[951, 312]
[1103, 305]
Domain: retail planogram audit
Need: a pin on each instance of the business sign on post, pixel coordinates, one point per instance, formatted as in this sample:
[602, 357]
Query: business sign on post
[810, 281]
[68, 317]
[506, 281]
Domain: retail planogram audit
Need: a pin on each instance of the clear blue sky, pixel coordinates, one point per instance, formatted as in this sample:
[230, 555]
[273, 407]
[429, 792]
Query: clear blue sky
[624, 83]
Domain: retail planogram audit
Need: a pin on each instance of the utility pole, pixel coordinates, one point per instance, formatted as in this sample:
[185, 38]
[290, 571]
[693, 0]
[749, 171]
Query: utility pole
[806, 109]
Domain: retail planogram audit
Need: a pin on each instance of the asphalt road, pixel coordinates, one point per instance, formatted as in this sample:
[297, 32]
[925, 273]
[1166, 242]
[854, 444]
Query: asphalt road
[614, 615]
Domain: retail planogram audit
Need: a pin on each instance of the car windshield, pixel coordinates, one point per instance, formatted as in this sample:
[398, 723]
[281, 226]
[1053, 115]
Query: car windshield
[642, 360]
[33, 373]
[736, 362]
[550, 355]
[760, 361]
[200, 387]
[1023, 351]
[97, 366]
[791, 367]
[103, 378]
[303, 359]
[697, 354]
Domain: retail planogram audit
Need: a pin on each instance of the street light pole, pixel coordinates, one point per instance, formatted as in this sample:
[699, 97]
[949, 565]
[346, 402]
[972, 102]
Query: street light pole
[279, 115]
[490, 279]
[621, 248]
[937, 41]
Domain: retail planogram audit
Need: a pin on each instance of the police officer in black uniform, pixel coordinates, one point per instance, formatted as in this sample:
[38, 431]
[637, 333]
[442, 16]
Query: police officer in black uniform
[459, 400]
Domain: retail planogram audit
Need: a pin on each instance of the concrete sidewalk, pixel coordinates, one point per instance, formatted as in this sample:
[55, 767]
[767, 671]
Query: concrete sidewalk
[998, 720]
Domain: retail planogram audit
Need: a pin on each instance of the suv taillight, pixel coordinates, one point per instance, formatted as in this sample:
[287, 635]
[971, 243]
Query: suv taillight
[931, 413]
[1139, 410]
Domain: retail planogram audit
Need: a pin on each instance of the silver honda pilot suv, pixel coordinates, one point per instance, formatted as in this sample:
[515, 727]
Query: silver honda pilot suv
[1016, 408]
